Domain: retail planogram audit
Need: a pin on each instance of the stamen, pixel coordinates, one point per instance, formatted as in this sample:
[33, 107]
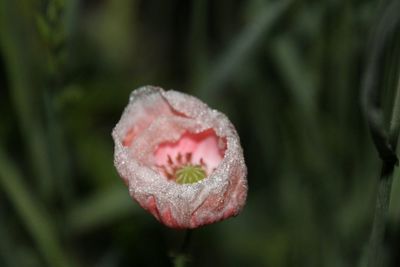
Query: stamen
[202, 163]
[182, 170]
[179, 158]
[188, 157]
[170, 162]
[169, 176]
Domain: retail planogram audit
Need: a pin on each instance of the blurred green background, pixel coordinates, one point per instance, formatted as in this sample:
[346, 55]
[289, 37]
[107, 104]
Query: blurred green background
[287, 73]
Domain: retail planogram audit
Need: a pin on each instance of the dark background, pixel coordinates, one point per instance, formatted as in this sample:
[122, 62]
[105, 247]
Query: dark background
[287, 74]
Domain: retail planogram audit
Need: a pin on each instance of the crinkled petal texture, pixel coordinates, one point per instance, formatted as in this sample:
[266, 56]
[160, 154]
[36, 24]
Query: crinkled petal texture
[159, 131]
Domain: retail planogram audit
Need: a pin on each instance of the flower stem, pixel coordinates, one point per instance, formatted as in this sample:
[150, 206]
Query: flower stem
[38, 222]
[182, 257]
[385, 142]
[376, 253]
[376, 245]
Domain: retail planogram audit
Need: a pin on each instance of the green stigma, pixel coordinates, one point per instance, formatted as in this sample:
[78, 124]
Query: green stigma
[190, 174]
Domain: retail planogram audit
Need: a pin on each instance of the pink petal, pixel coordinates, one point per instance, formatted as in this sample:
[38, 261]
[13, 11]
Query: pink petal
[204, 147]
[158, 123]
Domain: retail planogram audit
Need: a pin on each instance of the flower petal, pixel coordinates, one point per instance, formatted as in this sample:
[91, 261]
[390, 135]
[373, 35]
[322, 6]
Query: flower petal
[155, 117]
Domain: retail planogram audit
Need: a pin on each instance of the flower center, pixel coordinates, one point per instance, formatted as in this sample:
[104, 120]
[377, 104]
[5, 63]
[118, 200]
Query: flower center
[182, 170]
[190, 174]
[190, 159]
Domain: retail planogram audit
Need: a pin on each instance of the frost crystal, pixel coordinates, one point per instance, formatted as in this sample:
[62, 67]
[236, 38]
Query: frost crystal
[181, 160]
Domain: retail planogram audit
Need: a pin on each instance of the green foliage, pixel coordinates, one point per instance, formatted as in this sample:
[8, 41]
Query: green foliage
[288, 75]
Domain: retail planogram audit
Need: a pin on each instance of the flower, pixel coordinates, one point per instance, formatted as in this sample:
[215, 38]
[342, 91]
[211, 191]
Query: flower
[181, 160]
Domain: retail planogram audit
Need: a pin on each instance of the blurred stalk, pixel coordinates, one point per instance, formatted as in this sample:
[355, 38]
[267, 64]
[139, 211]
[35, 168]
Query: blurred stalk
[98, 210]
[182, 257]
[18, 45]
[300, 80]
[13, 251]
[56, 28]
[241, 49]
[7, 256]
[385, 143]
[376, 251]
[180, 261]
[198, 40]
[302, 89]
[395, 121]
[32, 214]
[60, 160]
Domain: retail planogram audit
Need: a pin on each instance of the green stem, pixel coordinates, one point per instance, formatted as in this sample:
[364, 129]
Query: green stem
[243, 46]
[376, 253]
[24, 76]
[376, 248]
[32, 213]
[182, 257]
[395, 120]
[385, 143]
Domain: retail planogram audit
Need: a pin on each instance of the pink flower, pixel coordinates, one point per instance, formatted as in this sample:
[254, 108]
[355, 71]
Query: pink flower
[181, 160]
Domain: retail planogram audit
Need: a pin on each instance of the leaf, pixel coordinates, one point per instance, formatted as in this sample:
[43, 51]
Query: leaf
[33, 214]
[241, 49]
[100, 209]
